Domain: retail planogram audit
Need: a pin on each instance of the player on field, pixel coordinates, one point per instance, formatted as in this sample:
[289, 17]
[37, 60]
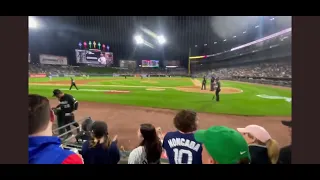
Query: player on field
[181, 146]
[73, 84]
[68, 104]
[50, 76]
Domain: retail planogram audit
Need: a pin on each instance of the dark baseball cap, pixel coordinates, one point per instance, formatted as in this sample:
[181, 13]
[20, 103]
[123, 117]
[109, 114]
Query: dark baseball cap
[287, 123]
[56, 92]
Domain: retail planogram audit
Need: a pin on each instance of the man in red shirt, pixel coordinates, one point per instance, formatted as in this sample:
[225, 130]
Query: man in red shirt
[43, 147]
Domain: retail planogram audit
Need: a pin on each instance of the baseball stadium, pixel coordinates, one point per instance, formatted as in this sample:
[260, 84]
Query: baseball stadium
[126, 89]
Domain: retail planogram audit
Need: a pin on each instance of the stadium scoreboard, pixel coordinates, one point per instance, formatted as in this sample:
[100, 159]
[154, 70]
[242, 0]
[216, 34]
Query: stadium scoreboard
[150, 63]
[94, 56]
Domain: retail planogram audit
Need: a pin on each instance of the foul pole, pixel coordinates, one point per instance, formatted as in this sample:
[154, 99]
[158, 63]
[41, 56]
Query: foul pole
[189, 61]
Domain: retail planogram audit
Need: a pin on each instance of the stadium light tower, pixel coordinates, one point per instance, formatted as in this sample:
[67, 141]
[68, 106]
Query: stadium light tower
[138, 39]
[161, 39]
[33, 24]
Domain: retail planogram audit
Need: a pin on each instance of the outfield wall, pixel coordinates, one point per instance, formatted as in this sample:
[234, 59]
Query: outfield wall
[98, 70]
[39, 75]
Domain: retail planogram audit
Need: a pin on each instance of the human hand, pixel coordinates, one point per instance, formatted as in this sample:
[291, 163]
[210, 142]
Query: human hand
[115, 138]
[159, 133]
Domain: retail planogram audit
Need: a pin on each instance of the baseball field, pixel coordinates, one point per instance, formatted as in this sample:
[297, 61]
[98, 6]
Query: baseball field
[126, 103]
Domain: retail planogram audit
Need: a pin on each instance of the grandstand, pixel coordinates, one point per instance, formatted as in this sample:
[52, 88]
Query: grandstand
[266, 61]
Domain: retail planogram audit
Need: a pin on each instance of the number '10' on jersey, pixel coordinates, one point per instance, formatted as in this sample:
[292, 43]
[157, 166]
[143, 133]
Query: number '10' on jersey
[182, 148]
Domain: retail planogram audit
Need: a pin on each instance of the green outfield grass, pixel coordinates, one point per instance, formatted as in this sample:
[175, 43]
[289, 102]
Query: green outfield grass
[245, 103]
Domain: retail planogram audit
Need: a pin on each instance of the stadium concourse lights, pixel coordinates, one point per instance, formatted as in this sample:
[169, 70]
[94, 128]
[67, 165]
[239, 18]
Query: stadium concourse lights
[161, 39]
[33, 24]
[138, 39]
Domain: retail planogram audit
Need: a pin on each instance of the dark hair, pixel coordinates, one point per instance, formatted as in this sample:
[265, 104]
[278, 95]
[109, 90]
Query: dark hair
[38, 113]
[87, 124]
[151, 143]
[100, 130]
[185, 121]
[85, 133]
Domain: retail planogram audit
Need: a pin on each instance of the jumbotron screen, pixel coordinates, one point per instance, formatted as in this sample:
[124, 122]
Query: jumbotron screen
[150, 63]
[94, 56]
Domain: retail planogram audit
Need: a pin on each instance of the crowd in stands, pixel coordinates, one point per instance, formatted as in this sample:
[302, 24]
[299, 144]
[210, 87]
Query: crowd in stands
[154, 71]
[276, 73]
[162, 71]
[187, 145]
[126, 71]
[177, 71]
[151, 71]
[264, 70]
[37, 68]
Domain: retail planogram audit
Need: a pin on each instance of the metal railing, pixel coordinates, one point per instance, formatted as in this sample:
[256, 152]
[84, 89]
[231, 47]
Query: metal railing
[54, 131]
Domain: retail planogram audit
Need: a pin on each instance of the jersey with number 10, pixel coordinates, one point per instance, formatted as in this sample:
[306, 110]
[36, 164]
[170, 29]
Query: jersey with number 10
[182, 148]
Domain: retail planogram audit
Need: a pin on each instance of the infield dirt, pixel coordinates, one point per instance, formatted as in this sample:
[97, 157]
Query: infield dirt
[224, 90]
[197, 88]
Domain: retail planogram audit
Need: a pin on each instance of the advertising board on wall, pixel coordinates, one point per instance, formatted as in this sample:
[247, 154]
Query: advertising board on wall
[94, 56]
[42, 75]
[54, 75]
[130, 64]
[53, 60]
[171, 63]
[68, 75]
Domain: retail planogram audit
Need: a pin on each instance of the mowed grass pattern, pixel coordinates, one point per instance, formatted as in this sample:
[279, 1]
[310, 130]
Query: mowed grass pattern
[246, 103]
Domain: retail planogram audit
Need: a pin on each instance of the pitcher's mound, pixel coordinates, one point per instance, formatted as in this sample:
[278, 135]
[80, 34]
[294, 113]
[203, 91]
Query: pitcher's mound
[115, 92]
[155, 89]
[224, 90]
